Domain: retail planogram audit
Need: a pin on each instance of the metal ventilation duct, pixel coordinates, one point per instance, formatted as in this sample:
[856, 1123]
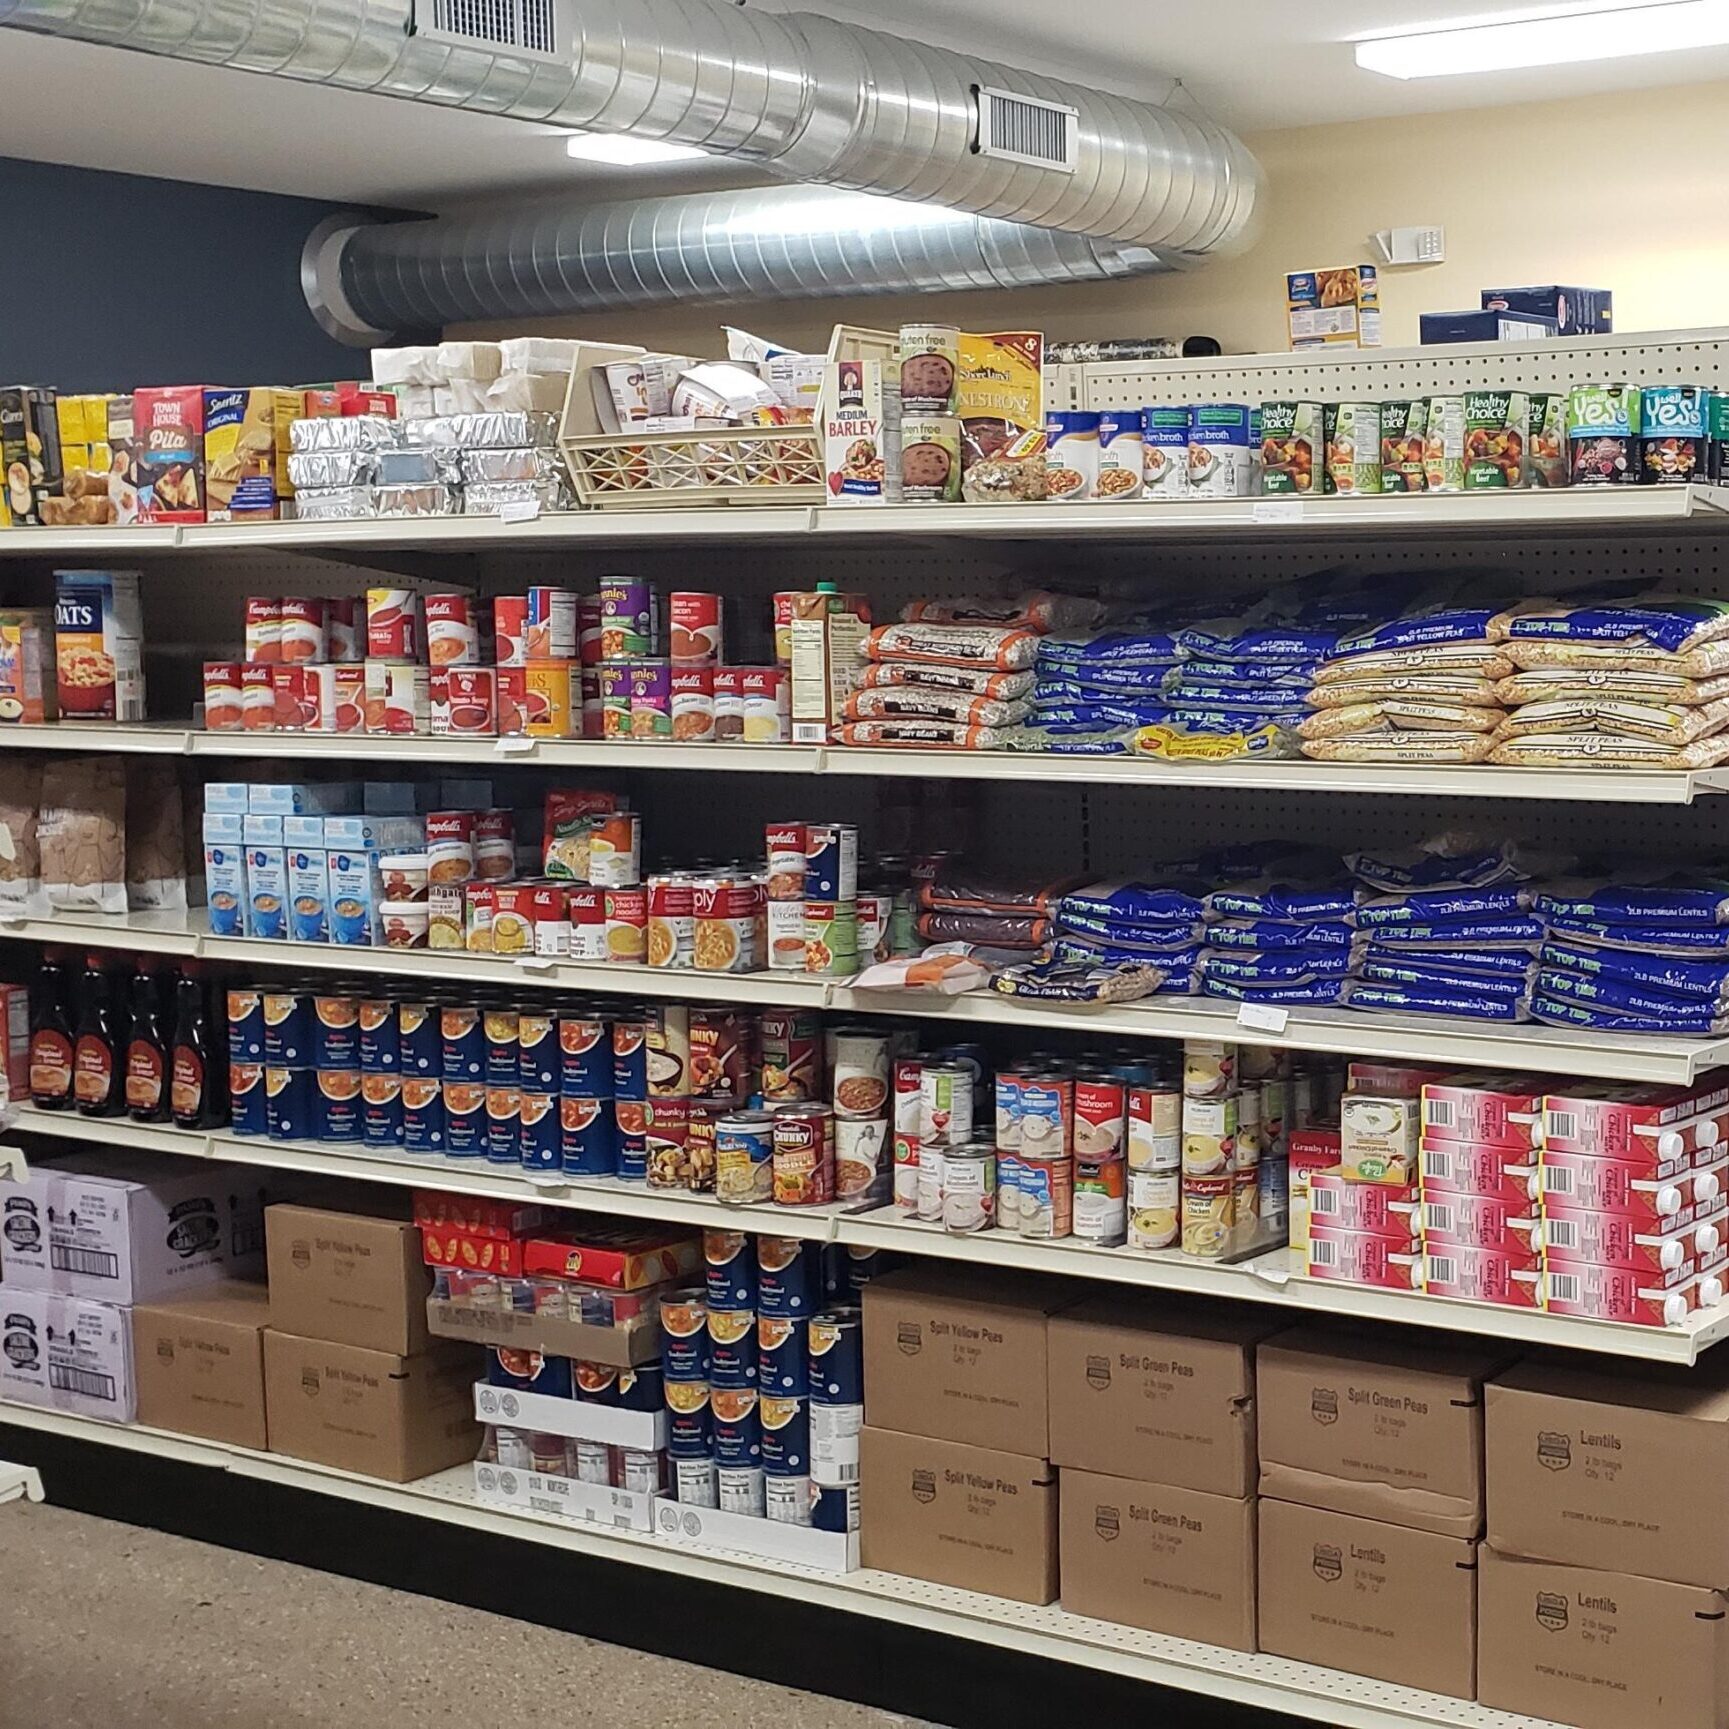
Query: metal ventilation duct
[810, 99]
[367, 282]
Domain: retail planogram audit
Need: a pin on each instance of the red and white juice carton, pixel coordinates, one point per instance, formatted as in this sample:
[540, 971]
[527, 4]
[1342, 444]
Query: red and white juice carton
[1465, 1168]
[1482, 1276]
[1340, 1202]
[1497, 1111]
[1356, 1258]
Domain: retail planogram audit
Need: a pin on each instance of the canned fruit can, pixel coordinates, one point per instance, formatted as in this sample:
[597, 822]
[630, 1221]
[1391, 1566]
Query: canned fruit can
[1101, 1202]
[731, 1281]
[836, 1340]
[782, 1356]
[945, 1105]
[906, 1177]
[1208, 1211]
[969, 1189]
[789, 1276]
[804, 1156]
[1155, 1209]
[1044, 1194]
[863, 1160]
[744, 1159]
[859, 1062]
[588, 1143]
[785, 1423]
[791, 1056]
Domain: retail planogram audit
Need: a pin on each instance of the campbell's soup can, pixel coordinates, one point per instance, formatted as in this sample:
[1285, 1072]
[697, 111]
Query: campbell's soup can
[422, 1114]
[804, 1155]
[589, 625]
[381, 1110]
[695, 634]
[342, 637]
[767, 704]
[783, 610]
[462, 1042]
[692, 704]
[585, 908]
[731, 1280]
[452, 630]
[792, 1053]
[729, 704]
[1101, 1213]
[671, 920]
[585, 1051]
[494, 845]
[836, 1338]
[246, 1025]
[305, 640]
[908, 1078]
[789, 1276]
[503, 1107]
[465, 1130]
[668, 1132]
[540, 1143]
[510, 629]
[393, 625]
[588, 1143]
[874, 912]
[627, 924]
[263, 629]
[724, 1055]
[667, 1038]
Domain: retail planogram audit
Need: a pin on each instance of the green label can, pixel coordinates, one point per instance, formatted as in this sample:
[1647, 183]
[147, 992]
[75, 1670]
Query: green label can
[1293, 440]
[1404, 427]
[1497, 429]
[1354, 449]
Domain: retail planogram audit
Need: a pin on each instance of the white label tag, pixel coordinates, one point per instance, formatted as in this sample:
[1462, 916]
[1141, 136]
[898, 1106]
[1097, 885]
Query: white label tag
[1277, 510]
[1263, 1017]
[516, 745]
[536, 963]
[519, 510]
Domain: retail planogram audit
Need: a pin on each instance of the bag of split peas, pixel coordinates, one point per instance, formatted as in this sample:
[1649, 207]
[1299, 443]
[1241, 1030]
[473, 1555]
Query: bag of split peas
[83, 835]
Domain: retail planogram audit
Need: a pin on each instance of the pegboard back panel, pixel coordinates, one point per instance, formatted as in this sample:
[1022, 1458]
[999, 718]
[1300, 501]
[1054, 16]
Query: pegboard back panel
[1668, 357]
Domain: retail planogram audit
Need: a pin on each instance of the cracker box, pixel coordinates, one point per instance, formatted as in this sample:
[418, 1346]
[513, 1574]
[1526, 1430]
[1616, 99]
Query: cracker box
[99, 644]
[240, 455]
[168, 426]
[29, 452]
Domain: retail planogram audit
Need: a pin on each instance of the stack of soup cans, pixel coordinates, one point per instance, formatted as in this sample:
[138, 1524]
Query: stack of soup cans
[819, 920]
[764, 1373]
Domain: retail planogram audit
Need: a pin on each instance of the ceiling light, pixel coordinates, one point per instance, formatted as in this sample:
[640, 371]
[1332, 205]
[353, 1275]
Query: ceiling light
[1665, 28]
[860, 213]
[621, 150]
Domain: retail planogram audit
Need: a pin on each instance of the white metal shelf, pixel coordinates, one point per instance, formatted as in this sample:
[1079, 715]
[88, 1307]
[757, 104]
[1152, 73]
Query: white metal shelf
[1436, 1038]
[1265, 1683]
[1272, 1278]
[1564, 511]
[1569, 785]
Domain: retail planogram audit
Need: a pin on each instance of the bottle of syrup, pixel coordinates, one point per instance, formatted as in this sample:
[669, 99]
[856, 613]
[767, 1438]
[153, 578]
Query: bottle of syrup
[198, 1089]
[51, 1036]
[99, 1053]
[147, 1053]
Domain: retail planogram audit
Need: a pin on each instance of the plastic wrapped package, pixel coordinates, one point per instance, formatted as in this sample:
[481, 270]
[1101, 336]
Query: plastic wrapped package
[492, 431]
[459, 396]
[413, 399]
[393, 366]
[320, 470]
[494, 497]
[528, 392]
[418, 468]
[482, 360]
[82, 834]
[531, 462]
[21, 891]
[537, 354]
[335, 504]
[430, 500]
[349, 432]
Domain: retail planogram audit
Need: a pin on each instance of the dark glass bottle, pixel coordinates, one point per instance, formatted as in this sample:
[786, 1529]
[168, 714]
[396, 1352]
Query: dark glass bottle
[198, 1090]
[99, 1055]
[51, 1036]
[147, 1048]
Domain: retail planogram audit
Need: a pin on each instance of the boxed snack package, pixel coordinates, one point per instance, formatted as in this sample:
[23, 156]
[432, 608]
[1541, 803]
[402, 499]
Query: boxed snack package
[1334, 308]
[240, 454]
[29, 453]
[168, 422]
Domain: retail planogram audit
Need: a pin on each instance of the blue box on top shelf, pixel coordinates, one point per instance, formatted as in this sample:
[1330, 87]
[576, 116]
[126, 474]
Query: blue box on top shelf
[1482, 327]
[1576, 311]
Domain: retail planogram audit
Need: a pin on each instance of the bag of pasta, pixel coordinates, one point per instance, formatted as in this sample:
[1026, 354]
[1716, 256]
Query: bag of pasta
[155, 839]
[83, 835]
[21, 893]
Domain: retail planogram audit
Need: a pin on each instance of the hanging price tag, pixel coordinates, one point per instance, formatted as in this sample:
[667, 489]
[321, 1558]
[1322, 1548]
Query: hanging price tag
[1277, 510]
[519, 510]
[516, 745]
[1263, 1018]
[536, 963]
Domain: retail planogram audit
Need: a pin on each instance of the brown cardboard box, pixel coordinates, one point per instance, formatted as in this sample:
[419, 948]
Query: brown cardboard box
[965, 1516]
[1600, 1650]
[199, 1363]
[347, 1277]
[373, 1412]
[1369, 1598]
[960, 1353]
[1141, 1387]
[1374, 1426]
[1170, 1560]
[1626, 1473]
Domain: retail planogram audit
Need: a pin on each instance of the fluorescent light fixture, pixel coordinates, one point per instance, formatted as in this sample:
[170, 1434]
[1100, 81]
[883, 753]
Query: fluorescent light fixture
[621, 150]
[1669, 27]
[861, 213]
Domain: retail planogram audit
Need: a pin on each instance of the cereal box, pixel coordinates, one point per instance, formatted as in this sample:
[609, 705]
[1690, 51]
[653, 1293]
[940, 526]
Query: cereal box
[99, 644]
[168, 424]
[861, 433]
[28, 691]
[240, 455]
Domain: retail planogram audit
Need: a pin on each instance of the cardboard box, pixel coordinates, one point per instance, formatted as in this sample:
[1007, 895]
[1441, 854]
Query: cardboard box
[1385, 1429]
[1335, 308]
[971, 1517]
[1170, 1560]
[66, 1353]
[199, 1363]
[1622, 1472]
[553, 1497]
[1600, 1650]
[347, 1277]
[119, 1228]
[1576, 311]
[1369, 1598]
[961, 1354]
[375, 1412]
[625, 1346]
[1142, 1388]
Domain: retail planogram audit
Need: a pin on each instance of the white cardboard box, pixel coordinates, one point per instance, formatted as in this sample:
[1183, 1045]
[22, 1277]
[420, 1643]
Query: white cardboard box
[67, 1353]
[562, 1498]
[641, 1431]
[708, 1528]
[120, 1229]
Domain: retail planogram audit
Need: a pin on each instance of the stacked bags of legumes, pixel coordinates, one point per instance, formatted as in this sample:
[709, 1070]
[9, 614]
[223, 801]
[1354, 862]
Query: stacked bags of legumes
[1421, 688]
[1446, 930]
[959, 905]
[1643, 684]
[1635, 957]
[1153, 921]
[1091, 691]
[1279, 928]
[955, 674]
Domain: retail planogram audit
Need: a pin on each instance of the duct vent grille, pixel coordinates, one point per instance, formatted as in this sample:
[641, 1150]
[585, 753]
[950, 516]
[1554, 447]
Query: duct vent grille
[1024, 129]
[523, 26]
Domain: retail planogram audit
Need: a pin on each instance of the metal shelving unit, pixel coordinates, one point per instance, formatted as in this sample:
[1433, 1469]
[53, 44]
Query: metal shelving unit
[1560, 1050]
[1268, 1683]
[1274, 1279]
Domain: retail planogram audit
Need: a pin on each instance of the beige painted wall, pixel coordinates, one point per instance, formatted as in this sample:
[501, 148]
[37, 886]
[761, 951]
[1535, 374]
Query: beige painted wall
[1622, 191]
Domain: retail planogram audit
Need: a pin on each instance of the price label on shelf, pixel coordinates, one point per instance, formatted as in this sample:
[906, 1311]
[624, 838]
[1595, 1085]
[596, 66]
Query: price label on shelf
[1263, 1018]
[516, 745]
[1277, 510]
[536, 963]
[519, 510]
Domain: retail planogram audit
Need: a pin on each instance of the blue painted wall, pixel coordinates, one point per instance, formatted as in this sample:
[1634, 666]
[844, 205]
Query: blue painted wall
[116, 280]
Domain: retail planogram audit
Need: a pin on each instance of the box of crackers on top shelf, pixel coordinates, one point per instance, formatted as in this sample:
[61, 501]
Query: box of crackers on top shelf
[29, 453]
[99, 478]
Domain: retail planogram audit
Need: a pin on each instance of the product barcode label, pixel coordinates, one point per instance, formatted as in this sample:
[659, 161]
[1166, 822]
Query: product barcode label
[1437, 1166]
[1563, 1287]
[1443, 1270]
[846, 1473]
[1323, 1253]
[1323, 1201]
[88, 1261]
[1438, 1218]
[1438, 1113]
[1560, 1125]
[1561, 1234]
[1557, 1180]
[69, 1380]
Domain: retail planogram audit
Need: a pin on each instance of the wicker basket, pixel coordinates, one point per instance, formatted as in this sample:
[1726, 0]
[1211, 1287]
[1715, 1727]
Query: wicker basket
[750, 465]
